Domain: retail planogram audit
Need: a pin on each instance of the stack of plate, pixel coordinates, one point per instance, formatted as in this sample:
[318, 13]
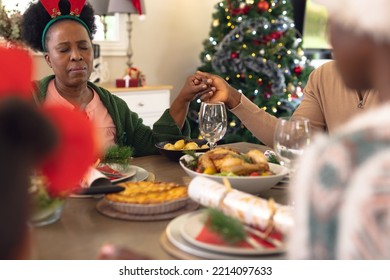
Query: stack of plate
[183, 230]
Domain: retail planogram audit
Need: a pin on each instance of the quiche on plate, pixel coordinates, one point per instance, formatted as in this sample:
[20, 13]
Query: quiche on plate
[148, 198]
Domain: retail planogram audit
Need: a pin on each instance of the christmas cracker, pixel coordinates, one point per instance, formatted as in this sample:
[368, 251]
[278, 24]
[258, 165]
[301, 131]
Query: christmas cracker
[247, 208]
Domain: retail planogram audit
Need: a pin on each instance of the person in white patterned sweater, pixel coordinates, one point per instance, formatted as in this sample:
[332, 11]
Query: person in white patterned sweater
[341, 190]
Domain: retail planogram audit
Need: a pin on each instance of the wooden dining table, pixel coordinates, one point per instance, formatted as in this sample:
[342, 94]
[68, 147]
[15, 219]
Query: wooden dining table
[82, 230]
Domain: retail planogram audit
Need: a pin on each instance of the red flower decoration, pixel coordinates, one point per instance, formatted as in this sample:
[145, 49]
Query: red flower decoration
[276, 35]
[75, 152]
[267, 38]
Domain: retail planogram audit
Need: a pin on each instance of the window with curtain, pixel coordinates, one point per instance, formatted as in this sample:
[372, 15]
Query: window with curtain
[110, 43]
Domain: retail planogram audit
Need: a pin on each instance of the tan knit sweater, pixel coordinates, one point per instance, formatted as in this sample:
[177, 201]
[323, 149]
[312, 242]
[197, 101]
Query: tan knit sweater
[327, 103]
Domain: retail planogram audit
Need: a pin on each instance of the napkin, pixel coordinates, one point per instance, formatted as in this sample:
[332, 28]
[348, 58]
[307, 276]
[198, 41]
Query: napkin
[210, 237]
[109, 172]
[94, 178]
[247, 208]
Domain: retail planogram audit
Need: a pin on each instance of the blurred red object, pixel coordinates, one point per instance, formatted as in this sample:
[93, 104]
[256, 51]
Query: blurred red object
[16, 73]
[75, 153]
[76, 149]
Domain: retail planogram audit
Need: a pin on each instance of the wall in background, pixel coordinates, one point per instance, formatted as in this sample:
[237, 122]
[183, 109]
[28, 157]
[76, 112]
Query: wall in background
[166, 44]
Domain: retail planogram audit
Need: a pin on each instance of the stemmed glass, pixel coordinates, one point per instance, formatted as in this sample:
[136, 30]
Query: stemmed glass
[212, 122]
[292, 135]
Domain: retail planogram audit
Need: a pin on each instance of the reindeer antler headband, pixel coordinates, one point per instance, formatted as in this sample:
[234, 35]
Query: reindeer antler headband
[51, 6]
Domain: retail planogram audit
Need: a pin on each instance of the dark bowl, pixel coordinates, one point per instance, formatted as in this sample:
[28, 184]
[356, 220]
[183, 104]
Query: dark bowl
[175, 155]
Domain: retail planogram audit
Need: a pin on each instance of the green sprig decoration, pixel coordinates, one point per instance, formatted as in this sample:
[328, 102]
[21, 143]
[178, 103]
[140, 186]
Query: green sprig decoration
[118, 154]
[231, 230]
[192, 164]
[273, 159]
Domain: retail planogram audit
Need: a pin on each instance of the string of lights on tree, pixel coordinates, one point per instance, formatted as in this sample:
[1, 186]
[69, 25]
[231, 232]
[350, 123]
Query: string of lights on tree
[253, 44]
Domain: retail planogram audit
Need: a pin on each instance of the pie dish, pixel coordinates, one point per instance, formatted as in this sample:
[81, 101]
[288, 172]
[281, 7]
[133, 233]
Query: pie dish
[147, 198]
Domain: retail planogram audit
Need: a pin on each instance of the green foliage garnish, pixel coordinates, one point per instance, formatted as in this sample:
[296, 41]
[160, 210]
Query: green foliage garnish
[273, 159]
[229, 228]
[39, 195]
[193, 163]
[118, 154]
[191, 153]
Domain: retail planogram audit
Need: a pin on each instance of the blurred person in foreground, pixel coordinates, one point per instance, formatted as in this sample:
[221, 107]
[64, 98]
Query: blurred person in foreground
[342, 187]
[21, 149]
[63, 31]
[34, 140]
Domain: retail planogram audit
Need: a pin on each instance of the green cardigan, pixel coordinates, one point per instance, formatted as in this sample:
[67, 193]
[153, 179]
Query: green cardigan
[130, 129]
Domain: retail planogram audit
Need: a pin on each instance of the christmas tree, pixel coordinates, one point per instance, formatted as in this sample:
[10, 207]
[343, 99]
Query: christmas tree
[253, 45]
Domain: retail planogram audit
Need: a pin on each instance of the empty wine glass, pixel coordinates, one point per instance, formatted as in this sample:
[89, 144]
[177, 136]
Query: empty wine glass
[291, 137]
[212, 122]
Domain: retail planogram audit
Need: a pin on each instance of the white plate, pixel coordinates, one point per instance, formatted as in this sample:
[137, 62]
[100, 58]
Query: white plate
[140, 174]
[173, 234]
[194, 224]
[248, 184]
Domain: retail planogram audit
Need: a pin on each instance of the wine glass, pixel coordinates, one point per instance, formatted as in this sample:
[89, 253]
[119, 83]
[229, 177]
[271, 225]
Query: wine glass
[292, 135]
[212, 122]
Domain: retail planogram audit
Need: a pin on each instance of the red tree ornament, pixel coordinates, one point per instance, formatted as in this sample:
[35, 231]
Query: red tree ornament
[241, 10]
[263, 6]
[297, 70]
[276, 35]
[234, 55]
[245, 10]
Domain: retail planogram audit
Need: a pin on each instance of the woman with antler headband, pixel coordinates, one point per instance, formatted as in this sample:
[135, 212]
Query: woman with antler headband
[63, 31]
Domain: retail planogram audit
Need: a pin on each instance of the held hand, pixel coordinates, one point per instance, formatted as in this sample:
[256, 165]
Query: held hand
[223, 91]
[196, 87]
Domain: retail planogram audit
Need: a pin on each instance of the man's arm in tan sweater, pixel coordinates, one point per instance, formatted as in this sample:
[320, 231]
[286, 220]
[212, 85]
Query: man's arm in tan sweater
[259, 122]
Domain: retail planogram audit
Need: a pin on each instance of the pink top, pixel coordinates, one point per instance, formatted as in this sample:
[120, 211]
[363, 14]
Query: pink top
[95, 110]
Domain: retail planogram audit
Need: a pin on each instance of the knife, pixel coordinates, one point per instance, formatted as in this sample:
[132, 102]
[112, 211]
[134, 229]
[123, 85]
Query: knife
[102, 189]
